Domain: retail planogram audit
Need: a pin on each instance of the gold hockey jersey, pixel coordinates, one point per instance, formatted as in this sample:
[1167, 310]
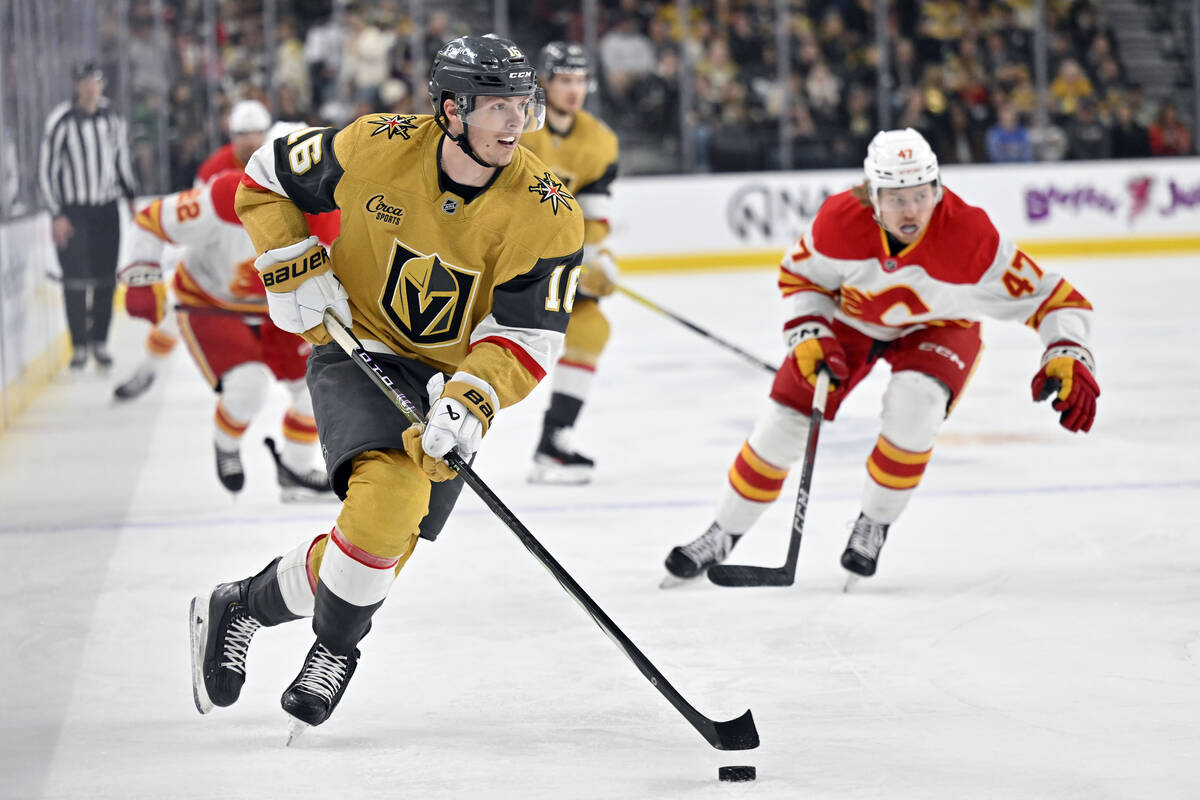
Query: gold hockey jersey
[585, 158]
[485, 286]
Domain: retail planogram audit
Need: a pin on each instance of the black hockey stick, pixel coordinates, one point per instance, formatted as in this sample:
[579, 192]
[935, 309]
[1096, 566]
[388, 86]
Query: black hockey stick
[734, 734]
[650, 304]
[745, 575]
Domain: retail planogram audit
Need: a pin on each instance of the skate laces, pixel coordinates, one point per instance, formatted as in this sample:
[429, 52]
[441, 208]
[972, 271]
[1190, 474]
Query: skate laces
[237, 640]
[229, 463]
[867, 537]
[713, 545]
[561, 439]
[324, 673]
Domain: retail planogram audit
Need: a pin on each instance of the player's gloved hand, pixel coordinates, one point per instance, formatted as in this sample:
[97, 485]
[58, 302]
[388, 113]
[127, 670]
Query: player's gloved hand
[458, 419]
[813, 346]
[300, 287]
[435, 468]
[145, 292]
[1068, 373]
[600, 274]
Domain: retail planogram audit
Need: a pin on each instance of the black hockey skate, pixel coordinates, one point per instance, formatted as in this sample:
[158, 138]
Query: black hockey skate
[692, 559]
[221, 629]
[101, 355]
[316, 691]
[862, 551]
[229, 469]
[136, 385]
[299, 487]
[78, 360]
[555, 462]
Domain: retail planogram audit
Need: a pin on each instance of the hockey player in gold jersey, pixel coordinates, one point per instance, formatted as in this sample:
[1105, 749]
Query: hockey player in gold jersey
[457, 266]
[582, 152]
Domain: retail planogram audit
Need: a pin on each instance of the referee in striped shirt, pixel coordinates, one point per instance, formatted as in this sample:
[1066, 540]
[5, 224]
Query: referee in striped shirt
[83, 170]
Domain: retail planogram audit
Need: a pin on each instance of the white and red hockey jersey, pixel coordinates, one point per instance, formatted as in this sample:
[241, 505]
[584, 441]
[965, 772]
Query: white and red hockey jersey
[960, 270]
[217, 264]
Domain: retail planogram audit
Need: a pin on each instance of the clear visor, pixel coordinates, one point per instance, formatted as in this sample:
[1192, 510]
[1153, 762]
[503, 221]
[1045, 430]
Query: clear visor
[519, 114]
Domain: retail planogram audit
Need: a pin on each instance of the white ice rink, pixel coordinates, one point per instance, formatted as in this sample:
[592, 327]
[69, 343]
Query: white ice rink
[1034, 631]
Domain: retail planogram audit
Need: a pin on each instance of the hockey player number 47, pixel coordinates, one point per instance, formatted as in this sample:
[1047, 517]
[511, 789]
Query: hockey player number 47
[1014, 282]
[559, 296]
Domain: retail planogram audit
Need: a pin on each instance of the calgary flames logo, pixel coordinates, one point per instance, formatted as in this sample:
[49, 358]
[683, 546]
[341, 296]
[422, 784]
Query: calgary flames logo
[395, 125]
[552, 191]
[426, 298]
[874, 307]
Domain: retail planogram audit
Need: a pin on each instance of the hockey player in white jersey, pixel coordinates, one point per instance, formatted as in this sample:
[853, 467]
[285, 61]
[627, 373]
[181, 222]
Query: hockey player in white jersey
[223, 319]
[898, 269]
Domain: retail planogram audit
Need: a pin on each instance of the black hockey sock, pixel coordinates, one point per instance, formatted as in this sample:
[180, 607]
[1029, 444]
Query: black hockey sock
[265, 600]
[338, 624]
[563, 411]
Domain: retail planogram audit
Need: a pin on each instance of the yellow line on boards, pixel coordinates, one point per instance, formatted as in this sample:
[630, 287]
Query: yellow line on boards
[1041, 248]
[21, 391]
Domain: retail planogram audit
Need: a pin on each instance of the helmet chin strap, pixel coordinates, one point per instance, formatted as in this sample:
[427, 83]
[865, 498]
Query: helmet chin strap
[462, 142]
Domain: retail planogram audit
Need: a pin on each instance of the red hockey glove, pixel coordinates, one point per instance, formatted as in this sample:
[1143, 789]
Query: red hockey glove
[813, 345]
[145, 292]
[1067, 371]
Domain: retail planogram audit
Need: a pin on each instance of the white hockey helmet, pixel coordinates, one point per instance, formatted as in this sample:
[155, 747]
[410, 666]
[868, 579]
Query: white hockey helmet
[900, 158]
[248, 116]
[284, 128]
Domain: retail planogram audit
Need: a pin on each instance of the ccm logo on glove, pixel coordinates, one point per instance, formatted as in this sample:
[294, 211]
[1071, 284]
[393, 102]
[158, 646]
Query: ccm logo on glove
[312, 262]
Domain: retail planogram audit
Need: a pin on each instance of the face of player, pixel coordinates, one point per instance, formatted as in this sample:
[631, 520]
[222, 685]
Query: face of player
[494, 127]
[244, 144]
[906, 212]
[566, 91]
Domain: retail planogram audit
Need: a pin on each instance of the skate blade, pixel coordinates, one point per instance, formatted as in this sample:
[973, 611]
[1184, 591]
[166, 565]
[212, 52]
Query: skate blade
[295, 494]
[296, 729]
[670, 581]
[851, 581]
[558, 475]
[198, 630]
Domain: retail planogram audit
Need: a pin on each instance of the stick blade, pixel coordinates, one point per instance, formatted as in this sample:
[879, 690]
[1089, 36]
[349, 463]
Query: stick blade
[734, 734]
[746, 575]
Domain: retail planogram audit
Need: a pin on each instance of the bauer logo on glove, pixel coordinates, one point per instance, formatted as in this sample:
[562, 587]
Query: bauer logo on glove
[308, 263]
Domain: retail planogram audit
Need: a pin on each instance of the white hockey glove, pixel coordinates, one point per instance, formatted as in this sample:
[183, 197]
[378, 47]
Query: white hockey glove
[300, 287]
[600, 273]
[458, 419]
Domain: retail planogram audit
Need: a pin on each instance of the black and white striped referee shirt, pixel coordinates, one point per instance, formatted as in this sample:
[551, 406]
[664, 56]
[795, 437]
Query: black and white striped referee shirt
[84, 159]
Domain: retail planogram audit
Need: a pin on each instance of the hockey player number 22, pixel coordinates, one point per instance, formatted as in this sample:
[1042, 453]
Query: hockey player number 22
[560, 296]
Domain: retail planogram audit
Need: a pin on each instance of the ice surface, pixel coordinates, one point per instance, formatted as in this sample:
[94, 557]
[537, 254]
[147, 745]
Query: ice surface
[1033, 632]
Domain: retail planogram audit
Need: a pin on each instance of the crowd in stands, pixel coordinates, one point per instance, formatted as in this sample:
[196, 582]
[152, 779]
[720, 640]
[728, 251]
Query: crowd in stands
[960, 71]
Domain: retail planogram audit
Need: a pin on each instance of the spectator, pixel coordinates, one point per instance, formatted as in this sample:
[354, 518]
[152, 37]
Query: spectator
[1087, 135]
[1008, 140]
[1129, 137]
[84, 167]
[1069, 87]
[1168, 136]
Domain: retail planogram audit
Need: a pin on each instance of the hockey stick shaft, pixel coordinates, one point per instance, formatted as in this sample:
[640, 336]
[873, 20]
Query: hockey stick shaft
[217, 311]
[735, 734]
[746, 575]
[650, 304]
[806, 472]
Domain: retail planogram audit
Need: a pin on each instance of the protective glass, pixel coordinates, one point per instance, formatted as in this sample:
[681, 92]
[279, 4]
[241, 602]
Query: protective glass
[520, 114]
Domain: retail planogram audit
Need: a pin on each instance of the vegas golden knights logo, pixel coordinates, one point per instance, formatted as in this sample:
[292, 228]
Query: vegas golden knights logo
[427, 299]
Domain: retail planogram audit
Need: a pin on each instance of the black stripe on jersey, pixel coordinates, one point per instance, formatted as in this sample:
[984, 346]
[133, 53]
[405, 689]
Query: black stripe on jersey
[521, 302]
[308, 170]
[601, 185]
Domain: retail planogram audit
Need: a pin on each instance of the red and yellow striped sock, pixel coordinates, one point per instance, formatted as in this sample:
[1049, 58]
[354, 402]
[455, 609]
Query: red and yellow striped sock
[895, 468]
[755, 479]
[299, 428]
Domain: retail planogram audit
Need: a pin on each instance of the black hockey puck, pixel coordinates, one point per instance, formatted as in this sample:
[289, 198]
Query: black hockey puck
[737, 774]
